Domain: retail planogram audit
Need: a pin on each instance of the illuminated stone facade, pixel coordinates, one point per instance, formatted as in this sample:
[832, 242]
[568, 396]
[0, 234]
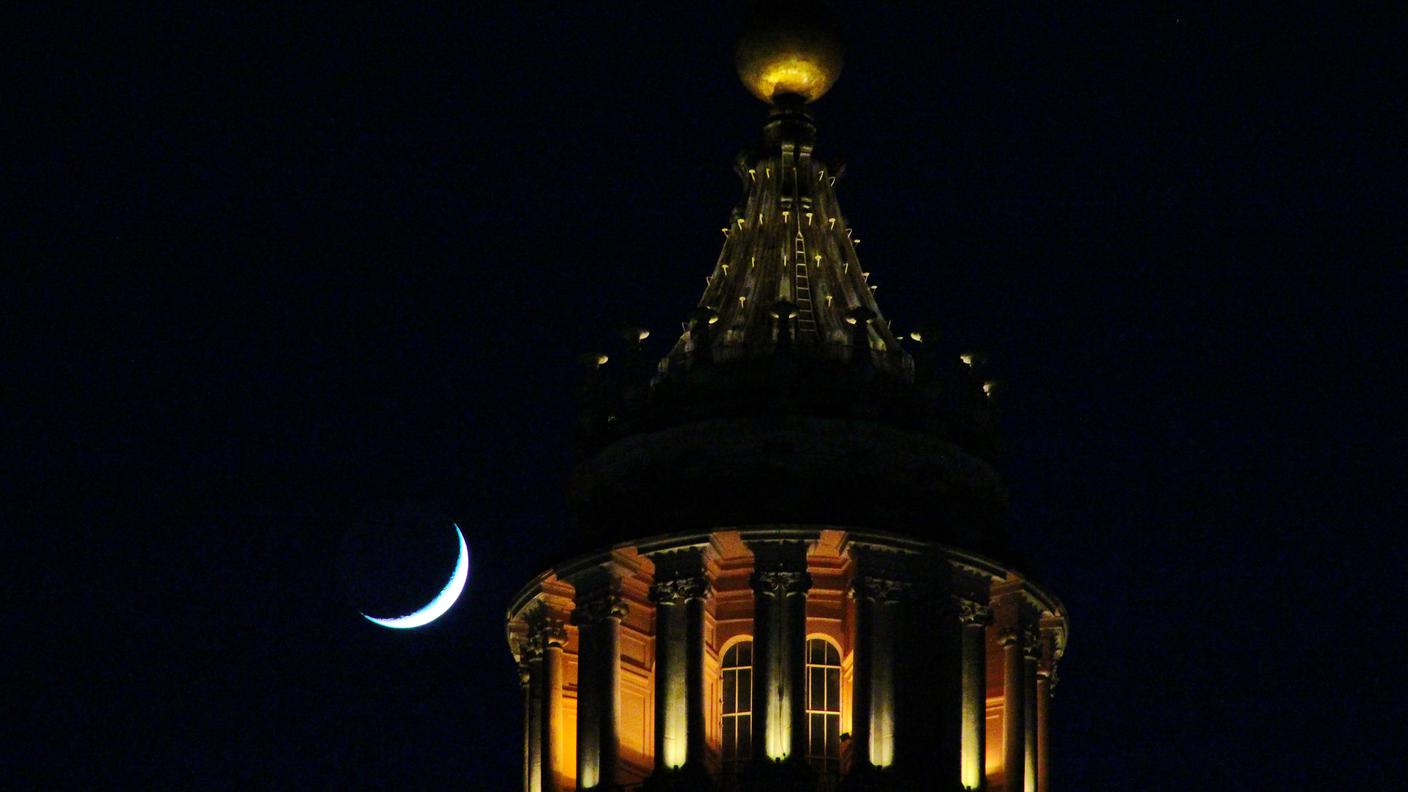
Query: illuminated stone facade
[788, 528]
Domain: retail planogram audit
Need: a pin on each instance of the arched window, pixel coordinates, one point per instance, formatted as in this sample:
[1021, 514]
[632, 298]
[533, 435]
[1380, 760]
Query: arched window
[737, 669]
[823, 705]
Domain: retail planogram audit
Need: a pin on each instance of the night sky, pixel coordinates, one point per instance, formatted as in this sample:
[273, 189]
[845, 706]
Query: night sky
[282, 277]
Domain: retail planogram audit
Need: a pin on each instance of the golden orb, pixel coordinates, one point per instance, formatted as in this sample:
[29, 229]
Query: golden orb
[789, 47]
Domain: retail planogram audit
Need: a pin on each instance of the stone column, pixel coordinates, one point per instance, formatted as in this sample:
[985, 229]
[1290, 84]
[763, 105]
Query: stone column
[794, 592]
[1014, 718]
[974, 617]
[681, 591]
[548, 634]
[863, 674]
[1045, 683]
[680, 709]
[598, 612]
[878, 592]
[780, 583]
[670, 681]
[697, 594]
[1029, 658]
[529, 680]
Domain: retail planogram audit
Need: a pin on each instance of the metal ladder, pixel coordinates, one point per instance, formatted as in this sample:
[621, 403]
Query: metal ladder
[801, 284]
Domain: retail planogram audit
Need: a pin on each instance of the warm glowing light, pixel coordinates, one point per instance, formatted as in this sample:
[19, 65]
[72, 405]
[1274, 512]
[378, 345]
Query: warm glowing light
[642, 334]
[443, 601]
[601, 360]
[967, 359]
[989, 387]
[916, 335]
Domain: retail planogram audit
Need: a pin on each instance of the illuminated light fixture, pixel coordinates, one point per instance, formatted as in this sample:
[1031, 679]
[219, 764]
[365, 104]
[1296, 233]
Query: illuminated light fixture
[601, 360]
[713, 319]
[809, 218]
[818, 259]
[989, 388]
[725, 230]
[742, 299]
[831, 223]
[642, 334]
[873, 287]
[725, 267]
[785, 215]
[741, 222]
[828, 301]
[967, 359]
[753, 174]
[855, 241]
[916, 335]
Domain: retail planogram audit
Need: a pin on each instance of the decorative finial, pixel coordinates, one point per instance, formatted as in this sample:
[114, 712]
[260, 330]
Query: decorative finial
[789, 49]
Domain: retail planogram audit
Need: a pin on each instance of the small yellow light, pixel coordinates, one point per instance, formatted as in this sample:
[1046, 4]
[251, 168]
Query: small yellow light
[916, 335]
[832, 223]
[967, 359]
[725, 267]
[642, 334]
[753, 174]
[741, 222]
[714, 319]
[601, 360]
[989, 387]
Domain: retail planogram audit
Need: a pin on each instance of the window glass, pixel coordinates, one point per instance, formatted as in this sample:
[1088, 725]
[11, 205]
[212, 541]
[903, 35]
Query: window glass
[823, 705]
[737, 671]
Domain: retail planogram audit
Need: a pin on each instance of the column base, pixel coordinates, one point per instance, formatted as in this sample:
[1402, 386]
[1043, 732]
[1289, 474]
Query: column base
[778, 775]
[682, 779]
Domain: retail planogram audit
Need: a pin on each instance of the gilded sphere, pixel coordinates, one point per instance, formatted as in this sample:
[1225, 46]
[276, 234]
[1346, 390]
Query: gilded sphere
[789, 47]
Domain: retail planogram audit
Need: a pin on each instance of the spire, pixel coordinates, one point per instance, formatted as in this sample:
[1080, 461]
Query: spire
[788, 241]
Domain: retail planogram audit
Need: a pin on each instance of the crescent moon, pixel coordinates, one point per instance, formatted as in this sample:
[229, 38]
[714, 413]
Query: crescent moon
[442, 602]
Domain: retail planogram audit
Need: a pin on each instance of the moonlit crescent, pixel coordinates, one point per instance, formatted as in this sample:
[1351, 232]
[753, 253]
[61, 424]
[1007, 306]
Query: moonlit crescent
[442, 602]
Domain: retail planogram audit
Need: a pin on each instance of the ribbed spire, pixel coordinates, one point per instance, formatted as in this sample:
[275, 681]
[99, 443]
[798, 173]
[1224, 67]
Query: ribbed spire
[789, 241]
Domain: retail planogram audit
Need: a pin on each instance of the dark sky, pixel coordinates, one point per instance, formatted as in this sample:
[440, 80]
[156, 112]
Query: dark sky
[278, 272]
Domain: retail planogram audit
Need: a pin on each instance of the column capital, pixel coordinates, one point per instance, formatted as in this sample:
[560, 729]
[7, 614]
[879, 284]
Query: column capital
[1023, 636]
[879, 588]
[780, 582]
[595, 607]
[678, 590]
[545, 629]
[972, 612]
